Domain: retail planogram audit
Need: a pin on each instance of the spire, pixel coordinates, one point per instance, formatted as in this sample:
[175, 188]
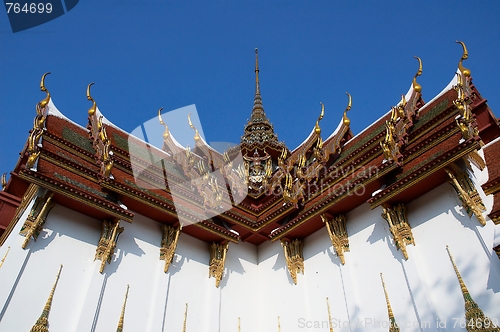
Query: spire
[474, 316]
[393, 327]
[42, 324]
[258, 109]
[122, 314]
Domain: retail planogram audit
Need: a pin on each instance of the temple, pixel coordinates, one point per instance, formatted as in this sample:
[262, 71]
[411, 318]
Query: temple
[394, 228]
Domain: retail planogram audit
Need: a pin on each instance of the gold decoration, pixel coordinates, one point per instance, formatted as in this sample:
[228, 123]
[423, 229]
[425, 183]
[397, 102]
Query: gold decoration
[169, 238]
[238, 178]
[317, 129]
[239, 328]
[465, 120]
[398, 225]
[4, 181]
[33, 149]
[417, 87]
[330, 324]
[166, 133]
[99, 138]
[185, 319]
[217, 260]
[475, 159]
[27, 198]
[337, 230]
[394, 327]
[465, 56]
[474, 317]
[345, 119]
[42, 324]
[110, 231]
[279, 326]
[4, 256]
[36, 219]
[294, 257]
[122, 314]
[470, 198]
[196, 133]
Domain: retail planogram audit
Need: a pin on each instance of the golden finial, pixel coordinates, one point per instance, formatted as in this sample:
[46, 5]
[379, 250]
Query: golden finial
[196, 134]
[460, 280]
[185, 318]
[257, 87]
[92, 110]
[465, 56]
[317, 129]
[279, 326]
[122, 315]
[166, 134]
[349, 104]
[4, 256]
[417, 87]
[42, 324]
[329, 316]
[44, 101]
[4, 181]
[394, 327]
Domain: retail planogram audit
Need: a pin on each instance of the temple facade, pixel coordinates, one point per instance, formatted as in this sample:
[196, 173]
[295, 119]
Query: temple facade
[391, 229]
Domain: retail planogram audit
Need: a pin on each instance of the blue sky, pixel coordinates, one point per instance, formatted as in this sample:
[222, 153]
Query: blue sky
[143, 55]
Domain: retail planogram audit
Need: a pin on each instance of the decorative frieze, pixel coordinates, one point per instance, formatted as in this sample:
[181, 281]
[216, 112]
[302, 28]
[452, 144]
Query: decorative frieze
[337, 231]
[398, 225]
[294, 257]
[42, 324]
[110, 231]
[169, 238]
[467, 192]
[392, 321]
[217, 260]
[36, 218]
[475, 319]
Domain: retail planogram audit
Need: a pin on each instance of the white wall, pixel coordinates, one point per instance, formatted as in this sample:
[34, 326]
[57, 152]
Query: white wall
[256, 286]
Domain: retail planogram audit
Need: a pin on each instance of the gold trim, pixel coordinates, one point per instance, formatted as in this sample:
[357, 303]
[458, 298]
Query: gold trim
[294, 257]
[110, 231]
[4, 181]
[33, 224]
[465, 56]
[42, 324]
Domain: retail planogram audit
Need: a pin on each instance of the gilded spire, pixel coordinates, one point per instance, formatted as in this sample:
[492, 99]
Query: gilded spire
[45, 101]
[93, 108]
[185, 319]
[42, 324]
[4, 256]
[474, 316]
[417, 87]
[257, 104]
[393, 327]
[122, 315]
[317, 129]
[330, 324]
[465, 56]
[348, 108]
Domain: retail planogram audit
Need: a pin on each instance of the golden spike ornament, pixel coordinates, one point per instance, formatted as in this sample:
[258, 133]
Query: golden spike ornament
[110, 231]
[4, 181]
[474, 317]
[36, 219]
[294, 257]
[185, 319]
[46, 100]
[465, 56]
[42, 324]
[348, 108]
[398, 225]
[392, 321]
[218, 254]
[330, 323]
[4, 256]
[196, 133]
[317, 129]
[122, 314]
[417, 87]
[93, 108]
[166, 133]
